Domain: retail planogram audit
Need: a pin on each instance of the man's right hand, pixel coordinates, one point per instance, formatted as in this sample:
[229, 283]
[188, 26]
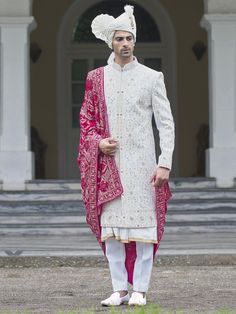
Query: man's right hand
[108, 146]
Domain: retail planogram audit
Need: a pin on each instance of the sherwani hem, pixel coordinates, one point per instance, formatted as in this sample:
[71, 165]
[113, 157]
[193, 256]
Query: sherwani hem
[127, 235]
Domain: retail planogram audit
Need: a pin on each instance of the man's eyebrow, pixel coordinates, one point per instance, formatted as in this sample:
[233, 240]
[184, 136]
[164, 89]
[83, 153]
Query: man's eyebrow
[123, 36]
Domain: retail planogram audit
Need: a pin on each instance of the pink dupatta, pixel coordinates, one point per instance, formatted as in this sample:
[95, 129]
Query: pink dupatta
[100, 181]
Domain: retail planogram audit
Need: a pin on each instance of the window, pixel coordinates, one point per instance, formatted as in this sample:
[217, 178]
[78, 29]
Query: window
[147, 28]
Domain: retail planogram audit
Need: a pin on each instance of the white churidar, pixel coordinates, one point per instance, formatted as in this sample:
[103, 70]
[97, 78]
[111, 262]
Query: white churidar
[221, 156]
[115, 252]
[143, 266]
[133, 93]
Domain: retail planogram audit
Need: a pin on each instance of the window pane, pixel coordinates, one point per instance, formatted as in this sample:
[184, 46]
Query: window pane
[75, 116]
[79, 69]
[77, 93]
[154, 63]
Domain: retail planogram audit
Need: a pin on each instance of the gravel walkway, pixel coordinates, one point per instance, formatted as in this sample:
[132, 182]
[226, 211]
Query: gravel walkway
[54, 287]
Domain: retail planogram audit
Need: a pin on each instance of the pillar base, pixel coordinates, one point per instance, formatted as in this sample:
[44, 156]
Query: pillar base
[221, 164]
[15, 168]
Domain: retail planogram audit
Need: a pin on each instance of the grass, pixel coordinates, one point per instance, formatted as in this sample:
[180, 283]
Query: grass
[152, 309]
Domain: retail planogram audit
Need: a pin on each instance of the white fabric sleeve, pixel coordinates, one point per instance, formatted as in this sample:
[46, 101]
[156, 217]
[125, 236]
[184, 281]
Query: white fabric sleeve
[164, 121]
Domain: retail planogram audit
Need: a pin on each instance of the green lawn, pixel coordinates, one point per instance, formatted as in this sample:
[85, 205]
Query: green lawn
[137, 310]
[143, 310]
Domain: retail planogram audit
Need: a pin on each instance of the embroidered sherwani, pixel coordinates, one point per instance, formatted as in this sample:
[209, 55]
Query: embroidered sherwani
[133, 94]
[100, 178]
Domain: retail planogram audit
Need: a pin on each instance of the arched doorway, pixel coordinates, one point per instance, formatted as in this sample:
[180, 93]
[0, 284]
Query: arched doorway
[79, 51]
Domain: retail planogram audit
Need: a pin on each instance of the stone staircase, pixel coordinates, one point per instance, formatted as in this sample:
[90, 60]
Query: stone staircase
[49, 219]
[45, 208]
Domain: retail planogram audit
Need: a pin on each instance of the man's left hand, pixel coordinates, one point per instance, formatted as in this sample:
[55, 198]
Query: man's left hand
[160, 177]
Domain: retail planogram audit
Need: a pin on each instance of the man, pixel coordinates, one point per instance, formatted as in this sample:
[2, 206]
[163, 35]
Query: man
[124, 191]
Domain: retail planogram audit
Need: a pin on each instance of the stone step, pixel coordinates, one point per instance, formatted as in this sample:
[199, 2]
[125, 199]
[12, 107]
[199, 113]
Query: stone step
[49, 209]
[77, 208]
[70, 185]
[43, 230]
[43, 208]
[192, 182]
[83, 229]
[61, 185]
[72, 205]
[172, 244]
[54, 207]
[205, 205]
[196, 218]
[75, 211]
[176, 183]
[180, 194]
[40, 196]
[193, 217]
[74, 199]
[198, 194]
[80, 229]
[48, 219]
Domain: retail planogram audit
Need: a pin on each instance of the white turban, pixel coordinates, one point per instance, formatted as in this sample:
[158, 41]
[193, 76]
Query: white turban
[104, 25]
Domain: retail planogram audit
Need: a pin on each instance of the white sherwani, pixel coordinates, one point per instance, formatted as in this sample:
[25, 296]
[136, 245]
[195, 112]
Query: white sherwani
[133, 93]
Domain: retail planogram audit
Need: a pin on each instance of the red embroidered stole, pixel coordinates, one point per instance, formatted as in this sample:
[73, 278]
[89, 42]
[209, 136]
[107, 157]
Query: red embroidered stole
[100, 181]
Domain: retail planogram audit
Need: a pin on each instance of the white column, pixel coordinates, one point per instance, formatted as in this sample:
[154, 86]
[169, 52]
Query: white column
[221, 156]
[16, 159]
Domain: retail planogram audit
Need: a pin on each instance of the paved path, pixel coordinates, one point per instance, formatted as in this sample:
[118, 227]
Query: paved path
[198, 289]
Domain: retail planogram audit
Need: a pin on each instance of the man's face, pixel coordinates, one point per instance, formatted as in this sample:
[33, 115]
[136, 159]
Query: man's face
[123, 44]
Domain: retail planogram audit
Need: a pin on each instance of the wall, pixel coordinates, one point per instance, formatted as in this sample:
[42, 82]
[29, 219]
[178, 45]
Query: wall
[192, 79]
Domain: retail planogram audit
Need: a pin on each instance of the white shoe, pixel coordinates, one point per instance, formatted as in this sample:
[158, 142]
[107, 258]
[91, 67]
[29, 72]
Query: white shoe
[137, 298]
[115, 299]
